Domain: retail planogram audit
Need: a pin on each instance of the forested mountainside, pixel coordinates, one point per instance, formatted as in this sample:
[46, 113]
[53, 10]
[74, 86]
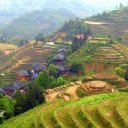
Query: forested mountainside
[29, 25]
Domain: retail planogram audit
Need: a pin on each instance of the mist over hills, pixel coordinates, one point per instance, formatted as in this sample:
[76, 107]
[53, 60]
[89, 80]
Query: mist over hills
[30, 24]
[25, 18]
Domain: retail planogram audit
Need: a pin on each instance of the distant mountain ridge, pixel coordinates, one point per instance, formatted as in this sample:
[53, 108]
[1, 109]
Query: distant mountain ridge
[30, 24]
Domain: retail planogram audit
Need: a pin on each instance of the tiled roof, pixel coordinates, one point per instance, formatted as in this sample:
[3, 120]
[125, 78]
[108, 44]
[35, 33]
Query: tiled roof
[62, 50]
[38, 66]
[62, 67]
[22, 73]
[14, 86]
[59, 57]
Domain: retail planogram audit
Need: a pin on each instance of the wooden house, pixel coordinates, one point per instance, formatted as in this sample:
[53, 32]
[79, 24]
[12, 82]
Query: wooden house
[80, 37]
[37, 68]
[23, 75]
[62, 51]
[59, 59]
[11, 89]
[63, 69]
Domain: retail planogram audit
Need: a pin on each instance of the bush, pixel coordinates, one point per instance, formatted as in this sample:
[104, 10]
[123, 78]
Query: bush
[77, 67]
[81, 93]
[120, 72]
[7, 105]
[61, 81]
[31, 98]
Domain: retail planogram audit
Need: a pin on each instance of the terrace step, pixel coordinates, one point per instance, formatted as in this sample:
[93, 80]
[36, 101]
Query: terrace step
[111, 115]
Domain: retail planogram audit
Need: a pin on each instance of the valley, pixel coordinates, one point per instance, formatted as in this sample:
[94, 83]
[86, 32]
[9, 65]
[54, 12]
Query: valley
[59, 71]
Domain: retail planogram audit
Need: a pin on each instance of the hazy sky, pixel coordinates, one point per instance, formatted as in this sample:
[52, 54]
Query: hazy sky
[106, 4]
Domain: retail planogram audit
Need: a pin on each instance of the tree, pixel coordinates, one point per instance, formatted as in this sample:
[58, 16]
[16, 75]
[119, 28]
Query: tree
[119, 39]
[43, 79]
[41, 37]
[31, 98]
[36, 40]
[77, 67]
[20, 105]
[88, 30]
[6, 105]
[34, 96]
[61, 81]
[121, 5]
[75, 45]
[120, 72]
[53, 82]
[111, 41]
[53, 71]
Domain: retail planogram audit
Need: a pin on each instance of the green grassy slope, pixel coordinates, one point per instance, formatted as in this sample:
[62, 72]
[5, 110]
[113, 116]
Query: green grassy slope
[98, 111]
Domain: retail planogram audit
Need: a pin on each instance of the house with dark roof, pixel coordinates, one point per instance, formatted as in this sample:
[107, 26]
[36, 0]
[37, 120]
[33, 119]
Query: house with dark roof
[59, 59]
[62, 51]
[37, 68]
[62, 69]
[23, 75]
[11, 89]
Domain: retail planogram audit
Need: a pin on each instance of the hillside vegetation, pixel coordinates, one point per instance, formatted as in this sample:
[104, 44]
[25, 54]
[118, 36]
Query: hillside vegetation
[97, 50]
[69, 30]
[115, 23]
[99, 111]
[30, 24]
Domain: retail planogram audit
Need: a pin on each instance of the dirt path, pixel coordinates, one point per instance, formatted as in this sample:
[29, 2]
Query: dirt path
[51, 97]
[68, 94]
[72, 92]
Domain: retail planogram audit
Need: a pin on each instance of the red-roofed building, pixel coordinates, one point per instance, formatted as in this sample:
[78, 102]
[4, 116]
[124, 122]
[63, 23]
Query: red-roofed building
[22, 75]
[81, 36]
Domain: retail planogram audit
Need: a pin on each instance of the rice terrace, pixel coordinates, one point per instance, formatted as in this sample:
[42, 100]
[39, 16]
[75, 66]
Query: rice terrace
[63, 64]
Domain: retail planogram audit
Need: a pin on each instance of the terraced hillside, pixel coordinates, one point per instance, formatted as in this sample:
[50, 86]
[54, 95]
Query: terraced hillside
[112, 23]
[8, 78]
[76, 90]
[23, 57]
[116, 54]
[101, 51]
[99, 111]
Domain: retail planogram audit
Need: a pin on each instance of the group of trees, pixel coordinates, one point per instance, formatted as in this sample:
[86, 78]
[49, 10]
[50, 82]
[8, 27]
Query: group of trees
[31, 98]
[40, 37]
[7, 107]
[21, 102]
[49, 78]
[122, 71]
[74, 27]
[77, 67]
[76, 44]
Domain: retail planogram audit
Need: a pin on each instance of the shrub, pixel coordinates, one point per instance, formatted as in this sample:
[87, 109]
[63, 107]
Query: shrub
[81, 93]
[77, 67]
[120, 72]
[61, 81]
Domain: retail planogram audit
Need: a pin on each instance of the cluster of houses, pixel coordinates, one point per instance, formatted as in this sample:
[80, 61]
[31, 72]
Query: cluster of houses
[22, 76]
[58, 60]
[37, 67]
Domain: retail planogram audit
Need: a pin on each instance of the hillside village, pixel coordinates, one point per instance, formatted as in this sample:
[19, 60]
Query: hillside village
[72, 78]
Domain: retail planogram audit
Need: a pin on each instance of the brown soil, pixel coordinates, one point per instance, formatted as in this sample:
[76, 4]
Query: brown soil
[109, 114]
[104, 76]
[98, 67]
